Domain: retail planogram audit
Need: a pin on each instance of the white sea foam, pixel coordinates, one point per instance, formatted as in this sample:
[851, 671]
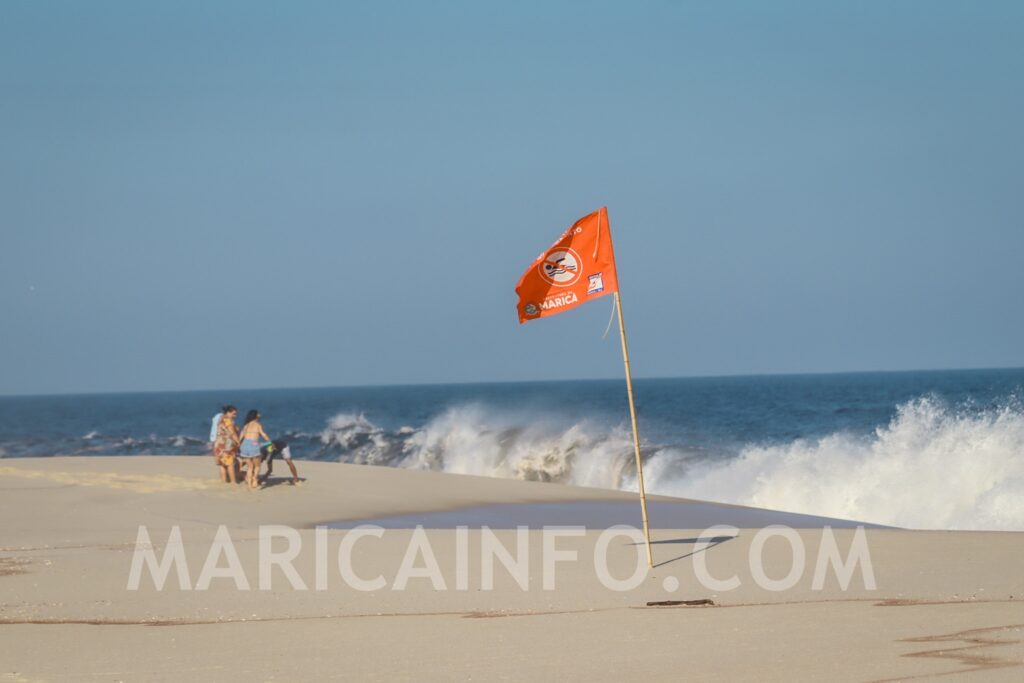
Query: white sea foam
[931, 467]
[473, 440]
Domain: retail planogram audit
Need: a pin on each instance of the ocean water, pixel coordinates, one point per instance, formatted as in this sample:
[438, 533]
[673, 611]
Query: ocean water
[937, 450]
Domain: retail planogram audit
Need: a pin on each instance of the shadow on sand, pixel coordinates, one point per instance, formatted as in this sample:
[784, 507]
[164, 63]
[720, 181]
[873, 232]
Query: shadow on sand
[710, 541]
[277, 481]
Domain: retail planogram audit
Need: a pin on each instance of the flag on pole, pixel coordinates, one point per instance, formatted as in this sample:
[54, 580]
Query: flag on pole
[578, 267]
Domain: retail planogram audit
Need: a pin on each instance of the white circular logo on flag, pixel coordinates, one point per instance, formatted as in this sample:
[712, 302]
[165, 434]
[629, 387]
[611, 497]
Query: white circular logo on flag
[561, 267]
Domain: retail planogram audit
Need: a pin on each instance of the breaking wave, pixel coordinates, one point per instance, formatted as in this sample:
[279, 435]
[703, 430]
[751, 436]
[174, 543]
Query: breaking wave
[472, 440]
[932, 466]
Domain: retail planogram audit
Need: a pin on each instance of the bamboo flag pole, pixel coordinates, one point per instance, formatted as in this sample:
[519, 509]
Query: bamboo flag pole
[636, 433]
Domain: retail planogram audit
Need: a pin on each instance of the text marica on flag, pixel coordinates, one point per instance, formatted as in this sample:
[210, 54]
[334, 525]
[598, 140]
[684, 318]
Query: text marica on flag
[578, 267]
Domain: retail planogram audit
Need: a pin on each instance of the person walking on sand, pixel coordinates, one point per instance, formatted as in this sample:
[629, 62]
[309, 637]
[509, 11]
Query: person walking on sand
[225, 445]
[252, 433]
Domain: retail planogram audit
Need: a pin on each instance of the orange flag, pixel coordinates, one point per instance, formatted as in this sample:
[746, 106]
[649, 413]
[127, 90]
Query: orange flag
[580, 266]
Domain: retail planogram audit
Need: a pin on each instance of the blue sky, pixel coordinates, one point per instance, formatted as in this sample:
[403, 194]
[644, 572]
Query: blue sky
[215, 194]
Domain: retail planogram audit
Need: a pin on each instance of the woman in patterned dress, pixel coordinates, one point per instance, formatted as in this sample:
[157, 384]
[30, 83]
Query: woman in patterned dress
[226, 446]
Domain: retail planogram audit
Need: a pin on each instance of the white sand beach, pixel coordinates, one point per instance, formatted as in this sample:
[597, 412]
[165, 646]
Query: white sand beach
[944, 605]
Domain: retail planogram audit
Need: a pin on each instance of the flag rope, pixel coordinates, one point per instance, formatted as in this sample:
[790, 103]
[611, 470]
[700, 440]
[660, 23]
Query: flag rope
[611, 318]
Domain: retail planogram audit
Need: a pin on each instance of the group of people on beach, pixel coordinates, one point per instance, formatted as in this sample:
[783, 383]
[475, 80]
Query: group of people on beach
[235, 449]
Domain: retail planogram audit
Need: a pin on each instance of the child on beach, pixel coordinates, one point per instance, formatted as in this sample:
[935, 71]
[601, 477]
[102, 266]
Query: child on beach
[225, 445]
[252, 433]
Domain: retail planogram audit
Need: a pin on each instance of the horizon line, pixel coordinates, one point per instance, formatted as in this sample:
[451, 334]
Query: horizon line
[122, 392]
